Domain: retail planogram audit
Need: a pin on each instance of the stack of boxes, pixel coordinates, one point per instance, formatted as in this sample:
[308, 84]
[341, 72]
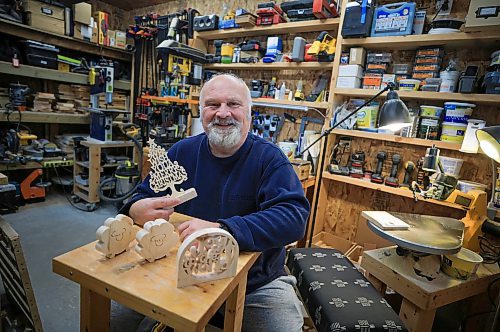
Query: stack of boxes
[350, 74]
[427, 65]
[376, 68]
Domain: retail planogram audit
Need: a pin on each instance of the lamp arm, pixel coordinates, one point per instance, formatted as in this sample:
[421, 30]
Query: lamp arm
[389, 86]
[319, 171]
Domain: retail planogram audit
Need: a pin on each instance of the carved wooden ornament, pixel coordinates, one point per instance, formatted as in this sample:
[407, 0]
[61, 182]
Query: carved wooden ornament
[165, 174]
[156, 239]
[207, 254]
[115, 235]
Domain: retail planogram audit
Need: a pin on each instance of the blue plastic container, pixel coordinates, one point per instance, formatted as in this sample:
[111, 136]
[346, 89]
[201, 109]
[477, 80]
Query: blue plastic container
[393, 19]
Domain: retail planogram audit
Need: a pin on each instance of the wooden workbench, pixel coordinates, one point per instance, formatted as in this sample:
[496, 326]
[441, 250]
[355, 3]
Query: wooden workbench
[150, 288]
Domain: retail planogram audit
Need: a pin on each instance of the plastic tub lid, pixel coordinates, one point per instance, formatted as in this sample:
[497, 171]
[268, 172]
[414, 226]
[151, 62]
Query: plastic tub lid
[459, 104]
[436, 107]
[456, 124]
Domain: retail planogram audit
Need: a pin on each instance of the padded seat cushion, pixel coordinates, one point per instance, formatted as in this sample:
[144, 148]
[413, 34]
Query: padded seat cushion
[337, 295]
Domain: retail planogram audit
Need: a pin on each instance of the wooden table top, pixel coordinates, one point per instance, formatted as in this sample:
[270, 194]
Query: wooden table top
[397, 273]
[150, 288]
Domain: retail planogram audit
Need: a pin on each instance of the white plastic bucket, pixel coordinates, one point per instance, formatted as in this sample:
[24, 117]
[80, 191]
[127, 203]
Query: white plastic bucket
[288, 148]
[453, 132]
[449, 81]
[458, 112]
[451, 166]
[470, 143]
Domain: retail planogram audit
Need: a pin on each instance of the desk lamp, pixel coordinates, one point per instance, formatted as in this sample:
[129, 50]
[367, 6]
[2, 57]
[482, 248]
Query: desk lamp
[393, 115]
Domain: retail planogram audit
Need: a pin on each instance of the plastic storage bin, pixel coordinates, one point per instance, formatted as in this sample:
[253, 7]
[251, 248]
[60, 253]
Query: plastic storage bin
[451, 166]
[393, 19]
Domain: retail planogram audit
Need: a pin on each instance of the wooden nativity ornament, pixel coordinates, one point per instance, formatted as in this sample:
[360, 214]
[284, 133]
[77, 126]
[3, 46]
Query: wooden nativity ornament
[207, 254]
[156, 239]
[165, 174]
[115, 235]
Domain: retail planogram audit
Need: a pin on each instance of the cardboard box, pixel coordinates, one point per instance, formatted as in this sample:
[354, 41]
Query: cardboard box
[112, 38]
[302, 168]
[82, 13]
[348, 82]
[46, 23]
[351, 70]
[357, 56]
[61, 66]
[83, 32]
[4, 179]
[120, 39]
[482, 16]
[102, 20]
[42, 8]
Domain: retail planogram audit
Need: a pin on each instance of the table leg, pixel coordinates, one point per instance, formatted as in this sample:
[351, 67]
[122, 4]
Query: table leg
[415, 318]
[377, 284]
[235, 303]
[94, 311]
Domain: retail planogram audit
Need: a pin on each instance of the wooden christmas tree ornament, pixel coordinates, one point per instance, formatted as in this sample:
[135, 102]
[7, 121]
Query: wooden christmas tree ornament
[207, 254]
[156, 239]
[166, 174]
[115, 235]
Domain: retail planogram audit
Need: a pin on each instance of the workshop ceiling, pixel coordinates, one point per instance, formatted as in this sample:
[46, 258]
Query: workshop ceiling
[123, 4]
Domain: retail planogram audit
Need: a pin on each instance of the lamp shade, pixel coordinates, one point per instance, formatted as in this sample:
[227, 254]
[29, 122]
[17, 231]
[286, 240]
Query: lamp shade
[489, 141]
[394, 114]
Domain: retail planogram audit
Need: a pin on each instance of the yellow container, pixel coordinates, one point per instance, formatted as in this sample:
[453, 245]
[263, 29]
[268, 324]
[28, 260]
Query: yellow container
[367, 116]
[461, 265]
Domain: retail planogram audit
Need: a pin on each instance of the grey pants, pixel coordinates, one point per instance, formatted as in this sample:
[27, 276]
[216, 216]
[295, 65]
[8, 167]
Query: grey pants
[273, 307]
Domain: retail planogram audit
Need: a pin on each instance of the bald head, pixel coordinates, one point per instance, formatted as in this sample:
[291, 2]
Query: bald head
[229, 80]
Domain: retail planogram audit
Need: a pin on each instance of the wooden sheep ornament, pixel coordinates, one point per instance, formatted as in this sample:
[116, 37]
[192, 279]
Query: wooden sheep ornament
[156, 239]
[115, 235]
[165, 174]
[207, 254]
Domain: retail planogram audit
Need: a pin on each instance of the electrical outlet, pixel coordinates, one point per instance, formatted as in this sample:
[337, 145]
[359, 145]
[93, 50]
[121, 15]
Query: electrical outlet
[446, 6]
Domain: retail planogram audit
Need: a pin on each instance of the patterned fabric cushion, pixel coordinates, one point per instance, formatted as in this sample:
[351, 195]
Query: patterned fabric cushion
[337, 295]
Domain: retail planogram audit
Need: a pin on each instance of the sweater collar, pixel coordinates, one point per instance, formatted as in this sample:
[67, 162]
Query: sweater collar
[241, 151]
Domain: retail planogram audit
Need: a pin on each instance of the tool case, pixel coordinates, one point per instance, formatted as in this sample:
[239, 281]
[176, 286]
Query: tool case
[40, 54]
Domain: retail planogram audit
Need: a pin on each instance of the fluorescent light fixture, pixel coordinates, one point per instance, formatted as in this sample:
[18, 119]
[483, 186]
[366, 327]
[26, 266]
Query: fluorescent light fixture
[291, 107]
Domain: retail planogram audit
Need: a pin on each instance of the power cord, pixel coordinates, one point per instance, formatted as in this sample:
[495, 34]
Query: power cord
[489, 251]
[68, 198]
[492, 301]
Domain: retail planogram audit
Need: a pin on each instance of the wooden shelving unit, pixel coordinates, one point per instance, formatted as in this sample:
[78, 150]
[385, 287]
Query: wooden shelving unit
[43, 117]
[53, 75]
[425, 95]
[27, 32]
[488, 40]
[273, 66]
[292, 103]
[397, 139]
[391, 190]
[282, 28]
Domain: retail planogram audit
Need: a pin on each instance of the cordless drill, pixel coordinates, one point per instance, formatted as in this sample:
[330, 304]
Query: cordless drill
[409, 168]
[392, 179]
[377, 176]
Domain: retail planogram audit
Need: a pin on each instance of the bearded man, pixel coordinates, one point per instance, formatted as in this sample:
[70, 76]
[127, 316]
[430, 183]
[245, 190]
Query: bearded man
[246, 186]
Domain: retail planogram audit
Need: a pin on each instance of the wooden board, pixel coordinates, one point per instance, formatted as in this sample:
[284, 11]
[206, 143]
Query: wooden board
[14, 275]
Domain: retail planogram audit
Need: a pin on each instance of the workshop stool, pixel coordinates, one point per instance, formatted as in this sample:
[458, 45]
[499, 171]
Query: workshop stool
[337, 296]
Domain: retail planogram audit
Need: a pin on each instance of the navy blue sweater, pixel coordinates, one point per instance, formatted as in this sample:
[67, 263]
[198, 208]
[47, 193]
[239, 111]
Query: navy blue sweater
[254, 192]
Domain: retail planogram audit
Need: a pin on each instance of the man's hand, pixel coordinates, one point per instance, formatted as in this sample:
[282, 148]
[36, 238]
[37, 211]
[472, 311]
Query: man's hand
[189, 227]
[148, 209]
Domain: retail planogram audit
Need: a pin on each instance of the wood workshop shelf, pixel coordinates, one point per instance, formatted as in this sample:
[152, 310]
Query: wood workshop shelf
[44, 117]
[398, 139]
[310, 104]
[309, 182]
[484, 39]
[426, 95]
[89, 142]
[273, 66]
[166, 100]
[381, 187]
[53, 75]
[275, 29]
[28, 32]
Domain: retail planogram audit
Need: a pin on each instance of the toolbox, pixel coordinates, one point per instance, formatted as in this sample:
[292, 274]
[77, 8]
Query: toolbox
[393, 19]
[358, 19]
[40, 54]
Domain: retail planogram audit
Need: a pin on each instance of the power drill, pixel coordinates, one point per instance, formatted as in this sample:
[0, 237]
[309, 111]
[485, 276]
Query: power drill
[392, 180]
[357, 164]
[377, 176]
[409, 168]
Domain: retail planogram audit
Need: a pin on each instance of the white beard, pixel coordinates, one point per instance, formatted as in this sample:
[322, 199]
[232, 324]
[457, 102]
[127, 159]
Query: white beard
[224, 138]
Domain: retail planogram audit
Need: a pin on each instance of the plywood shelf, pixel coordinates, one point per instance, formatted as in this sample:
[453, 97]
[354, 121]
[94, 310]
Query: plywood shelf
[282, 28]
[28, 32]
[425, 95]
[168, 100]
[310, 104]
[43, 117]
[273, 66]
[398, 139]
[53, 75]
[486, 40]
[380, 187]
